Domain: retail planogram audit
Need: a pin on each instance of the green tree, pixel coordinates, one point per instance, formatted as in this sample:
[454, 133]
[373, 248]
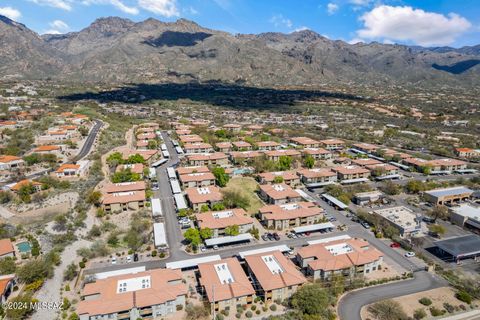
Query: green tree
[70, 272]
[25, 309]
[135, 158]
[5, 197]
[309, 161]
[114, 159]
[278, 179]
[204, 208]
[438, 212]
[218, 206]
[312, 300]
[152, 144]
[125, 175]
[437, 229]
[232, 230]
[206, 233]
[390, 188]
[220, 176]
[387, 310]
[284, 163]
[234, 199]
[94, 197]
[192, 235]
[7, 265]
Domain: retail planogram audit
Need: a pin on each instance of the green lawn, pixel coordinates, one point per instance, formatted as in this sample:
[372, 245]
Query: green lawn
[246, 186]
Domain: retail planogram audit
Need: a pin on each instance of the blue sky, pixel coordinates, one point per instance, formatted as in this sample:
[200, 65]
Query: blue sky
[420, 22]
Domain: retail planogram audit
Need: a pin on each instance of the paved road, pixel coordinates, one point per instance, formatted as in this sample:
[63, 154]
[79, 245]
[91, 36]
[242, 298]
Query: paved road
[350, 305]
[87, 146]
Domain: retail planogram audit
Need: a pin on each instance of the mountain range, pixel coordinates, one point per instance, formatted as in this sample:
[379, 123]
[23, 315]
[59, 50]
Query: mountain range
[117, 50]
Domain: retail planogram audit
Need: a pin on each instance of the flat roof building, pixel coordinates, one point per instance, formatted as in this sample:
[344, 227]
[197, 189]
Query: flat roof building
[290, 215]
[402, 218]
[467, 216]
[448, 195]
[462, 247]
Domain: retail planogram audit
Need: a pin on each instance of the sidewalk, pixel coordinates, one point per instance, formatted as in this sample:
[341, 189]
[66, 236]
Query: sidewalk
[470, 315]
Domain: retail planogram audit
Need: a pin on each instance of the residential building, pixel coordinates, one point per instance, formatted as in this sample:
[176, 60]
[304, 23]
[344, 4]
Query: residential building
[274, 155]
[208, 159]
[233, 127]
[55, 149]
[225, 284]
[15, 187]
[401, 218]
[199, 197]
[6, 248]
[124, 196]
[333, 144]
[276, 277]
[194, 169]
[70, 170]
[290, 178]
[11, 163]
[144, 295]
[467, 153]
[450, 195]
[278, 193]
[183, 132]
[218, 221]
[317, 153]
[224, 146]
[244, 156]
[198, 179]
[305, 142]
[365, 147]
[134, 168]
[317, 177]
[383, 171]
[290, 215]
[197, 147]
[242, 145]
[363, 162]
[351, 174]
[346, 257]
[146, 136]
[363, 198]
[191, 138]
[7, 283]
[268, 145]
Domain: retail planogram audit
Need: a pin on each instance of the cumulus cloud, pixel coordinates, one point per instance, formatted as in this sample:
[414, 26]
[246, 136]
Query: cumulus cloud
[302, 28]
[57, 27]
[332, 8]
[415, 25]
[10, 13]
[116, 3]
[166, 8]
[59, 4]
[356, 40]
[279, 20]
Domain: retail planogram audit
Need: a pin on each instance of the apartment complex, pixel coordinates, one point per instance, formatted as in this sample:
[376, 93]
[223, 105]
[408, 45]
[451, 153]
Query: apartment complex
[290, 215]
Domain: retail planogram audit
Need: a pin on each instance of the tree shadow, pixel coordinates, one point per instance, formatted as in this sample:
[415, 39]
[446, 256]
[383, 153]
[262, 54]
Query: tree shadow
[215, 93]
[177, 39]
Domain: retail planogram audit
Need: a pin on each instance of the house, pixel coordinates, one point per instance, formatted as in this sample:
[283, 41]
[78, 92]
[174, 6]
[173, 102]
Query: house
[183, 132]
[317, 177]
[447, 165]
[317, 153]
[208, 159]
[15, 187]
[268, 145]
[7, 283]
[142, 295]
[383, 171]
[365, 147]
[11, 163]
[290, 215]
[305, 142]
[332, 144]
[55, 149]
[401, 218]
[363, 162]
[225, 284]
[197, 147]
[467, 153]
[278, 193]
[198, 179]
[274, 155]
[199, 197]
[224, 146]
[276, 277]
[450, 195]
[244, 156]
[393, 154]
[242, 145]
[70, 170]
[6, 248]
[218, 221]
[290, 178]
[351, 174]
[416, 163]
[346, 257]
[191, 138]
[146, 136]
[255, 127]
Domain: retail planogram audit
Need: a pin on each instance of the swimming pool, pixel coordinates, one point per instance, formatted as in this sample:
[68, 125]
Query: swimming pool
[240, 171]
[24, 247]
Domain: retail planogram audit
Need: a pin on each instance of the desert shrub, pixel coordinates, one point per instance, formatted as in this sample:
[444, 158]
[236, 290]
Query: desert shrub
[419, 314]
[464, 296]
[425, 301]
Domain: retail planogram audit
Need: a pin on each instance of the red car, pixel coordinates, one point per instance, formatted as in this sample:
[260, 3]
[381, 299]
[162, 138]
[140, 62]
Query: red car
[395, 245]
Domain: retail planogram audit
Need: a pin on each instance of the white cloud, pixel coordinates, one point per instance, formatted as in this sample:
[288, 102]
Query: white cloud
[166, 8]
[10, 13]
[59, 24]
[356, 40]
[361, 3]
[279, 20]
[116, 3]
[415, 25]
[191, 10]
[52, 31]
[59, 4]
[302, 28]
[332, 8]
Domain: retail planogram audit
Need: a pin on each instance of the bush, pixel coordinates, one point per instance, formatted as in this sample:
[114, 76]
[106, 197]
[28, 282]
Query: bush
[449, 307]
[273, 307]
[219, 317]
[419, 314]
[425, 301]
[254, 307]
[154, 253]
[179, 307]
[464, 296]
[436, 312]
[248, 314]
[257, 312]
[265, 309]
[238, 315]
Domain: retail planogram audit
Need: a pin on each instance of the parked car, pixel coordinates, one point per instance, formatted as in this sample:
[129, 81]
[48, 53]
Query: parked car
[114, 260]
[203, 249]
[215, 247]
[395, 245]
[270, 236]
[276, 236]
[307, 233]
[135, 257]
[410, 254]
[264, 237]
[129, 259]
[365, 225]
